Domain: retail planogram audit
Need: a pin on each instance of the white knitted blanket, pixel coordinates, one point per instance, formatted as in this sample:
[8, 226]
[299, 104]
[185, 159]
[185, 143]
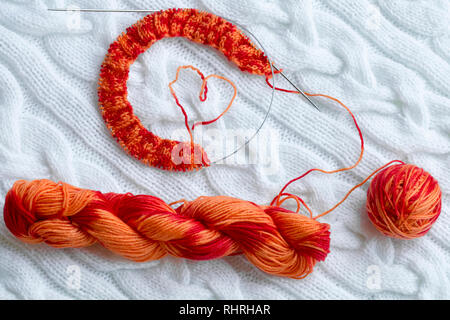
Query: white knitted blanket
[389, 61]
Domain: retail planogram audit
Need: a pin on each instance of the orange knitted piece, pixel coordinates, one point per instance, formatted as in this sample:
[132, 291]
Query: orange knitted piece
[200, 27]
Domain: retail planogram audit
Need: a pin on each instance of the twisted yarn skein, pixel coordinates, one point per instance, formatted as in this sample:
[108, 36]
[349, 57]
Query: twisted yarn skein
[143, 227]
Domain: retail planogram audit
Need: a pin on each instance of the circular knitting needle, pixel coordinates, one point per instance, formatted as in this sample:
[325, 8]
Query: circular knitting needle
[296, 88]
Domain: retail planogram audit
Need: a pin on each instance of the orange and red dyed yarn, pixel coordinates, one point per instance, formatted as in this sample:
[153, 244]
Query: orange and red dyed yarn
[403, 201]
[200, 27]
[142, 227]
[192, 156]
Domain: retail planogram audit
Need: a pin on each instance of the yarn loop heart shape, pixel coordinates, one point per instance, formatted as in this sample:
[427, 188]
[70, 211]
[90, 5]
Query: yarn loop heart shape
[202, 97]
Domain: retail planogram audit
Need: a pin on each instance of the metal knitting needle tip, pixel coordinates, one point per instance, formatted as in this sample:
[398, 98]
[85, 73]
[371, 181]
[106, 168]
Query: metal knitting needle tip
[100, 10]
[300, 91]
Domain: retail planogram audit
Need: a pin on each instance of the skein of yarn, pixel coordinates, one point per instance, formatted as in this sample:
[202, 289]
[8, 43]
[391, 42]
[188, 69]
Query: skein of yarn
[143, 227]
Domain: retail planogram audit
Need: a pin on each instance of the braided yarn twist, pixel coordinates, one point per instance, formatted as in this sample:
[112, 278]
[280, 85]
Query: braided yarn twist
[403, 201]
[143, 227]
[201, 27]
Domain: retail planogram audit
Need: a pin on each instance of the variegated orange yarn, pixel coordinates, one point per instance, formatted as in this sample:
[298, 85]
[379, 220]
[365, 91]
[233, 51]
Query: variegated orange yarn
[190, 156]
[403, 201]
[142, 227]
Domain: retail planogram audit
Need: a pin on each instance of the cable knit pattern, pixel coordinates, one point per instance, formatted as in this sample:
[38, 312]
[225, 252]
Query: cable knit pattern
[387, 60]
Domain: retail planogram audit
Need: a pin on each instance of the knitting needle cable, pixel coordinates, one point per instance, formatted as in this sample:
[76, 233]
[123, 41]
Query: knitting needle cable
[296, 88]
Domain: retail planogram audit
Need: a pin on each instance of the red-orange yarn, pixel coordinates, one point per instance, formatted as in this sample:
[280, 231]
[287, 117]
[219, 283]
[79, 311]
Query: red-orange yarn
[190, 157]
[403, 201]
[201, 27]
[142, 227]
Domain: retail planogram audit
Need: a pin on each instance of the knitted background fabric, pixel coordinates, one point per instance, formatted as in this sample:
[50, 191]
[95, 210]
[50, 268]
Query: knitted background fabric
[389, 61]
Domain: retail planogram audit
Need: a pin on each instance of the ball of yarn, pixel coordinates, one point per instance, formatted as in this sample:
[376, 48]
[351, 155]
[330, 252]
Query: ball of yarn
[403, 201]
[144, 227]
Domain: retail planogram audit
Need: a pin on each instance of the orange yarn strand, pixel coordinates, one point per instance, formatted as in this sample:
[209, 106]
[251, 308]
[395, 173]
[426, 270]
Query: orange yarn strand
[203, 123]
[290, 196]
[356, 187]
[407, 214]
[202, 97]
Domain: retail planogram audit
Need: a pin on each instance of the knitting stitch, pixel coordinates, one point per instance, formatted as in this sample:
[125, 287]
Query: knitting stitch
[197, 26]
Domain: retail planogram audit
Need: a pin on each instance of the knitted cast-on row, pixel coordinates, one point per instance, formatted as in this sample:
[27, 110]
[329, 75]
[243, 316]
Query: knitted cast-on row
[200, 27]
